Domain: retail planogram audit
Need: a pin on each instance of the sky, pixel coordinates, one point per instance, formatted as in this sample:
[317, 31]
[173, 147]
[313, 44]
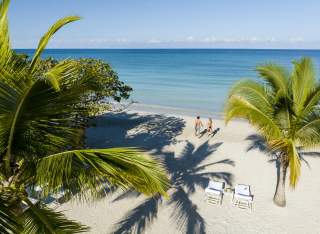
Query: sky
[169, 23]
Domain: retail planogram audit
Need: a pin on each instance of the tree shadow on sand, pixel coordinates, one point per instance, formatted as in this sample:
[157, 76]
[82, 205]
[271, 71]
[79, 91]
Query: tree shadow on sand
[153, 132]
[186, 173]
[149, 132]
[258, 142]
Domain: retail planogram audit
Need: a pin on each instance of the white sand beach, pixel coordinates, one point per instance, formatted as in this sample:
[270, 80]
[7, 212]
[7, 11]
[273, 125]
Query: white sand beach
[235, 154]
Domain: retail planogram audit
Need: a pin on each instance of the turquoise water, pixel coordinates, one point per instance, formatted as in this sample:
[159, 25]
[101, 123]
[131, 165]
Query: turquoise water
[193, 79]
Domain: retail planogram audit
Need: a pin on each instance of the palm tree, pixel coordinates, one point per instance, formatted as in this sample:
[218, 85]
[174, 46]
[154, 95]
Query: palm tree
[285, 110]
[40, 137]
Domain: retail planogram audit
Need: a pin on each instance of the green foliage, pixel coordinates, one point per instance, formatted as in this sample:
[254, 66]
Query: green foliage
[44, 106]
[104, 82]
[42, 220]
[8, 222]
[284, 108]
[46, 38]
[91, 169]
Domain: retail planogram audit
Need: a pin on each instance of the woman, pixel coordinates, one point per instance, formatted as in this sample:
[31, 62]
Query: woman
[209, 126]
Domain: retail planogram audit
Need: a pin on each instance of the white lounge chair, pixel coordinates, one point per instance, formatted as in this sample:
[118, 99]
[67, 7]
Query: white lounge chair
[25, 205]
[55, 200]
[34, 192]
[214, 192]
[52, 200]
[242, 196]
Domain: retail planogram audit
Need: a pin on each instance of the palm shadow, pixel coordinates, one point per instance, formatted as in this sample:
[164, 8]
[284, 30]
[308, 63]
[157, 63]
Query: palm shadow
[187, 172]
[257, 142]
[311, 154]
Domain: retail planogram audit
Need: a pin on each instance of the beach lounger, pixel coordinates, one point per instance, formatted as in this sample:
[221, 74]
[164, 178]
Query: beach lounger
[214, 192]
[25, 206]
[59, 196]
[242, 196]
[53, 201]
[34, 192]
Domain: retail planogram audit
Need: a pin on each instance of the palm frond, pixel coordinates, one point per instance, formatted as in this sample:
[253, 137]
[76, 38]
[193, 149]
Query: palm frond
[39, 219]
[11, 96]
[46, 38]
[254, 93]
[9, 223]
[90, 169]
[311, 103]
[63, 70]
[238, 107]
[5, 48]
[308, 131]
[44, 116]
[288, 148]
[294, 164]
[276, 76]
[303, 83]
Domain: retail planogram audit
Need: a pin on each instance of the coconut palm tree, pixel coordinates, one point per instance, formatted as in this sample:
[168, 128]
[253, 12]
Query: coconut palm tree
[285, 110]
[40, 139]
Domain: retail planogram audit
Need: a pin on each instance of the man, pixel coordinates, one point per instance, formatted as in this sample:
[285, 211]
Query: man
[197, 126]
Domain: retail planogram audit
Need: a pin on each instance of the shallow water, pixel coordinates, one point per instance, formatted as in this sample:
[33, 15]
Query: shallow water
[190, 79]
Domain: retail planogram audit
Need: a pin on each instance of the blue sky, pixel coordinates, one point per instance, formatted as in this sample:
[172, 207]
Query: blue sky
[169, 23]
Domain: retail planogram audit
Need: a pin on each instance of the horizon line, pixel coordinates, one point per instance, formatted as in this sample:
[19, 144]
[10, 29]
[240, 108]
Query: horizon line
[174, 48]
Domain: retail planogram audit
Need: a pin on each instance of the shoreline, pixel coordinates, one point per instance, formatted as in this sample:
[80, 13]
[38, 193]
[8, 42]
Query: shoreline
[168, 110]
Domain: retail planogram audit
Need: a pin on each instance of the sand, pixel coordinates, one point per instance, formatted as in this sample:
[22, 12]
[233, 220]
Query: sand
[236, 154]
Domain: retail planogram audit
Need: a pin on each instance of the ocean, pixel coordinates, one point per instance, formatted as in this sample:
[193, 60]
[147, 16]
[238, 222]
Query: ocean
[184, 81]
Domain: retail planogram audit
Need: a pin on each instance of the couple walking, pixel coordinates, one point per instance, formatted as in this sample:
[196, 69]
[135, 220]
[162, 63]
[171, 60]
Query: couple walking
[198, 126]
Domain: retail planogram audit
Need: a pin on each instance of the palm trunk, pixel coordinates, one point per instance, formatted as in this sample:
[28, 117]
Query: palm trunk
[280, 196]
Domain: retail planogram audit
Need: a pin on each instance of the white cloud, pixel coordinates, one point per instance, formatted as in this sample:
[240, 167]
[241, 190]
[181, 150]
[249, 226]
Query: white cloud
[254, 39]
[154, 41]
[296, 39]
[213, 39]
[184, 42]
[190, 38]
